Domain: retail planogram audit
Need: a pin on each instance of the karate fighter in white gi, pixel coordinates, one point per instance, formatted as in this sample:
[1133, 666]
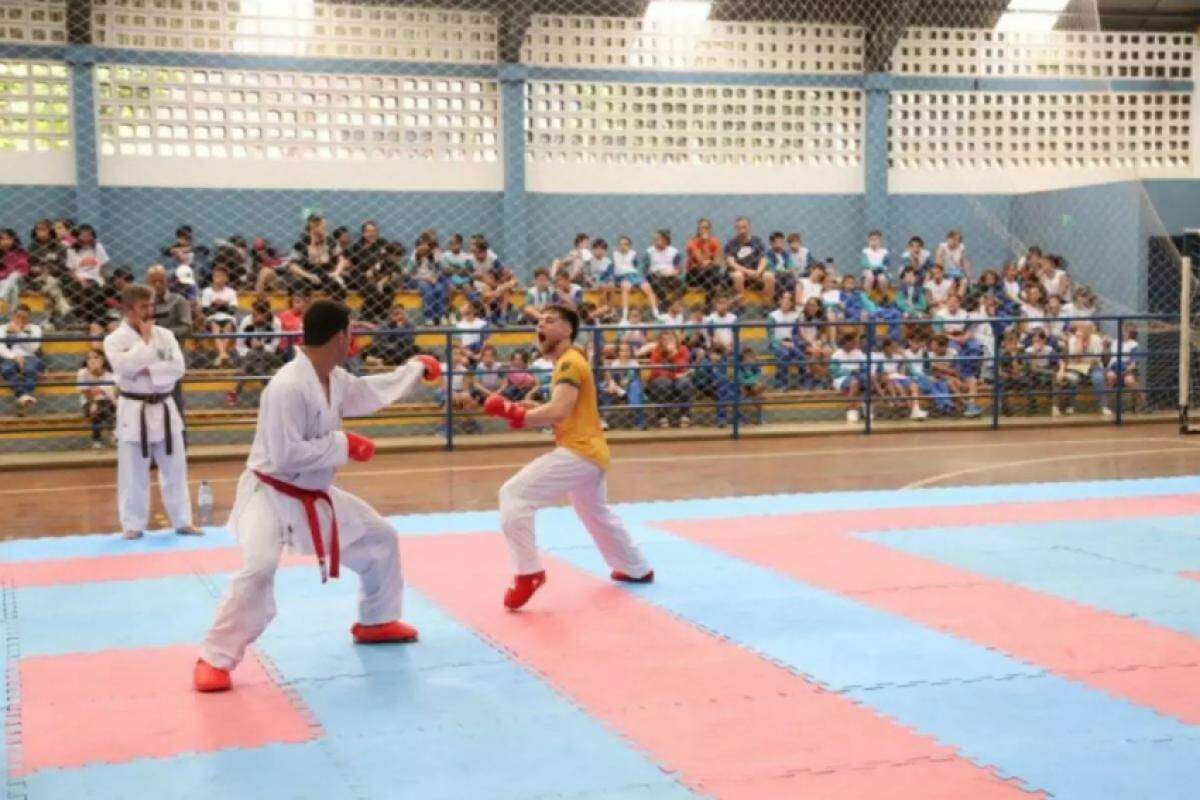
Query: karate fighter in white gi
[286, 498]
[147, 363]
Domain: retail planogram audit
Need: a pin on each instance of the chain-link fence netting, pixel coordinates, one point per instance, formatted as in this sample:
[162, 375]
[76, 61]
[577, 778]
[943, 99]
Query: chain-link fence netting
[766, 212]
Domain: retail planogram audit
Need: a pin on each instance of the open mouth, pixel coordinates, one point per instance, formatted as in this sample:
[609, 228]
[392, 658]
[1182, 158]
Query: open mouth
[541, 338]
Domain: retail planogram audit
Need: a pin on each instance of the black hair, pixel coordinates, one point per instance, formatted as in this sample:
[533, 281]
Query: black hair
[569, 316]
[603, 245]
[12, 235]
[917, 240]
[323, 320]
[579, 237]
[182, 231]
[79, 235]
[776, 235]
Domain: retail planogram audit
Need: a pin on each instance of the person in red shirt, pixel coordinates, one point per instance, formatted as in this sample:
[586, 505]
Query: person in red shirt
[670, 381]
[14, 268]
[704, 270]
[292, 319]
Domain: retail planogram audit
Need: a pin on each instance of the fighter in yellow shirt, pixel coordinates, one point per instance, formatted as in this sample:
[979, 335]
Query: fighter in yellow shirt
[575, 468]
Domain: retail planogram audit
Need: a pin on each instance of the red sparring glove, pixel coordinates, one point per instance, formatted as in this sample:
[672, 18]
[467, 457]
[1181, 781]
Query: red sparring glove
[361, 448]
[433, 369]
[497, 406]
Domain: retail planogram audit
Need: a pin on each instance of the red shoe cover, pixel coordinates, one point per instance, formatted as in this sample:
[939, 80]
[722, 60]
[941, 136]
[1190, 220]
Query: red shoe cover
[208, 678]
[522, 589]
[617, 575]
[394, 631]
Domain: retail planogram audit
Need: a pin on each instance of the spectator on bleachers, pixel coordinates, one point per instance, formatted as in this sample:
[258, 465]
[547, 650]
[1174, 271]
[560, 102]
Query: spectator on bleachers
[953, 320]
[64, 231]
[675, 316]
[802, 258]
[257, 356]
[291, 320]
[936, 390]
[425, 270]
[489, 374]
[1082, 305]
[537, 296]
[84, 288]
[746, 262]
[364, 256]
[456, 263]
[1014, 374]
[269, 268]
[393, 343]
[626, 275]
[1124, 371]
[911, 299]
[952, 367]
[812, 285]
[171, 310]
[577, 263]
[566, 293]
[97, 395]
[519, 382]
[1081, 363]
[543, 371]
[47, 266]
[664, 268]
[1010, 284]
[752, 385]
[1057, 325]
[937, 288]
[19, 361]
[1033, 309]
[875, 261]
[952, 256]
[917, 257]
[621, 385]
[184, 252]
[895, 381]
[713, 379]
[313, 260]
[219, 303]
[380, 282]
[183, 283]
[474, 327]
[857, 305]
[847, 368]
[457, 385]
[234, 254]
[783, 343]
[720, 323]
[816, 337]
[670, 381]
[704, 269]
[781, 268]
[494, 281]
[1042, 361]
[14, 268]
[1053, 277]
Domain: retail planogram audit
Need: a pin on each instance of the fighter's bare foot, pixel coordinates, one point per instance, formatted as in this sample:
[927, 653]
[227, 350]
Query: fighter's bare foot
[394, 631]
[208, 678]
[189, 530]
[522, 589]
[617, 575]
[132, 535]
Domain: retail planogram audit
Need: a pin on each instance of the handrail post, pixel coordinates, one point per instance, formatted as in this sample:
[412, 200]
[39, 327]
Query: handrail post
[449, 391]
[996, 394]
[1118, 417]
[867, 383]
[736, 388]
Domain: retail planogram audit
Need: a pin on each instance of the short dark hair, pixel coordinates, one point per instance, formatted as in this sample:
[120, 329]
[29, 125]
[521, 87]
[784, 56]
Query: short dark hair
[323, 320]
[569, 316]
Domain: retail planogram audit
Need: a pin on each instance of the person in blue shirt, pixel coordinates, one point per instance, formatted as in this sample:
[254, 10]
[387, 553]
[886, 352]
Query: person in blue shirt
[910, 295]
[917, 257]
[802, 257]
[781, 265]
[432, 282]
[856, 305]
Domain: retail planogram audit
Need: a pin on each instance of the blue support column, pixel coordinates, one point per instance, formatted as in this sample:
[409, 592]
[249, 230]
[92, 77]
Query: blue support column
[877, 209]
[514, 224]
[83, 127]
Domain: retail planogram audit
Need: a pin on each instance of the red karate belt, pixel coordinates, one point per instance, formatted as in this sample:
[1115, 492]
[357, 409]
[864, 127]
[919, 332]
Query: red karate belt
[309, 498]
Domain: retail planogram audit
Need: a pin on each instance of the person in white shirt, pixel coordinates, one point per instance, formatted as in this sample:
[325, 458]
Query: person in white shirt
[1082, 361]
[1054, 280]
[811, 285]
[894, 380]
[147, 363]
[1010, 282]
[219, 302]
[84, 285]
[952, 257]
[537, 296]
[577, 263]
[664, 268]
[1124, 370]
[19, 361]
[783, 340]
[286, 497]
[847, 367]
[97, 395]
[473, 338]
[953, 320]
[938, 288]
[719, 323]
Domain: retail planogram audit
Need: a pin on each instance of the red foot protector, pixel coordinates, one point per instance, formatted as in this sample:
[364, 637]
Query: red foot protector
[120, 705]
[1193, 575]
[129, 567]
[730, 723]
[1085, 644]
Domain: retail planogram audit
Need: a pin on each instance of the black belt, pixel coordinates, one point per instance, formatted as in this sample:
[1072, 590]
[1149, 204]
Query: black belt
[153, 399]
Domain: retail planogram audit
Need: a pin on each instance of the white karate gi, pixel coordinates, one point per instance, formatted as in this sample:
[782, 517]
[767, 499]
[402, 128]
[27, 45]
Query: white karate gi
[298, 442]
[147, 368]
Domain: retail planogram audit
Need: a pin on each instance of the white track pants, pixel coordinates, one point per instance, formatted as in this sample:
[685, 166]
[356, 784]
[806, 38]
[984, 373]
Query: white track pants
[133, 484]
[543, 482]
[249, 602]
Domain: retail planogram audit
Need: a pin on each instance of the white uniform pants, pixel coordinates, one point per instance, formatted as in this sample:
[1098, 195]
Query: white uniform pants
[133, 484]
[249, 602]
[543, 482]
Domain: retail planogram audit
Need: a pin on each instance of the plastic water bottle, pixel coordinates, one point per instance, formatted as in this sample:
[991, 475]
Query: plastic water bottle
[206, 503]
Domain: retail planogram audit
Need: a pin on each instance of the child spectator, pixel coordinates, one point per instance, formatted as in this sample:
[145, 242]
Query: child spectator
[720, 324]
[457, 387]
[519, 383]
[379, 283]
[703, 268]
[537, 297]
[269, 268]
[86, 258]
[952, 320]
[64, 231]
[670, 384]
[937, 288]
[19, 361]
[1010, 283]
[802, 258]
[713, 379]
[875, 260]
[752, 385]
[831, 297]
[183, 283]
[911, 300]
[14, 268]
[184, 252]
[314, 259]
[627, 275]
[494, 282]
[847, 367]
[489, 375]
[566, 293]
[783, 342]
[1124, 370]
[696, 339]
[394, 343]
[664, 266]
[602, 277]
[474, 327]
[543, 370]
[937, 390]
[258, 356]
[97, 395]
[952, 257]
[816, 337]
[219, 302]
[635, 332]
[856, 304]
[780, 267]
[917, 257]
[1033, 309]
[1042, 365]
[577, 264]
[365, 256]
[291, 320]
[47, 267]
[622, 383]
[896, 382]
[1053, 278]
[1014, 374]
[1082, 363]
[811, 285]
[958, 370]
[433, 284]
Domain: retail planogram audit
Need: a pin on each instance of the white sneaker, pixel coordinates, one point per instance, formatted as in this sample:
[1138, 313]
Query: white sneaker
[1054, 412]
[918, 413]
[1070, 410]
[852, 415]
[1106, 411]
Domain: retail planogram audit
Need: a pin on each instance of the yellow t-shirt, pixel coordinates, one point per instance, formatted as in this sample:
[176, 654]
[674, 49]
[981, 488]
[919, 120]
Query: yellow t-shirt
[580, 432]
